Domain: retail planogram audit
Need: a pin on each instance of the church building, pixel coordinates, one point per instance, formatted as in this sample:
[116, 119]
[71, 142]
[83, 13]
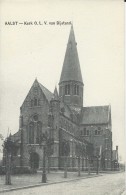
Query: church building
[62, 123]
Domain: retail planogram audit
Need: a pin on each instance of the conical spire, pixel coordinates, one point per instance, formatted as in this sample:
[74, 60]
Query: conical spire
[71, 67]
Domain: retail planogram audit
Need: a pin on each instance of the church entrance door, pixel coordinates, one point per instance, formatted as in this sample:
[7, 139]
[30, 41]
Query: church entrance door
[34, 160]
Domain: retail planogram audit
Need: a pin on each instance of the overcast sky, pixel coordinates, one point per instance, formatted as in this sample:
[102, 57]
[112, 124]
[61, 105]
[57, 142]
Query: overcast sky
[38, 51]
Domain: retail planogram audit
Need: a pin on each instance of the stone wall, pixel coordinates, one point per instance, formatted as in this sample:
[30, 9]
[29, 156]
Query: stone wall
[101, 137]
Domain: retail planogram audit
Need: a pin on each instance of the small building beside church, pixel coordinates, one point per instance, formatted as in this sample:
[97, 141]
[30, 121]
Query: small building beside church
[70, 128]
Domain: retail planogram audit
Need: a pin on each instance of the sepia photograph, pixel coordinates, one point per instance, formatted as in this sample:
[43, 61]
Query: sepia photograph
[62, 97]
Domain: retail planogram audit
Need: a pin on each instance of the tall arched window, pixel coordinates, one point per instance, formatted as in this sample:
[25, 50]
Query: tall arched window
[35, 102]
[31, 133]
[76, 89]
[39, 132]
[67, 89]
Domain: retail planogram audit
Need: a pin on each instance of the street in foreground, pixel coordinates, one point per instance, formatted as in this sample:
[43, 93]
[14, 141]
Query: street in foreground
[107, 184]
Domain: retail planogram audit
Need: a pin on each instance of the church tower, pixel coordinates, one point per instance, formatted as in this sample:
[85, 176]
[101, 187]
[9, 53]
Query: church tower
[71, 82]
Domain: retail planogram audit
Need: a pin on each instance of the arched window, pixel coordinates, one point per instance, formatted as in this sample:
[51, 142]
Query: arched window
[76, 89]
[67, 89]
[97, 132]
[35, 102]
[39, 132]
[65, 148]
[31, 133]
[86, 132]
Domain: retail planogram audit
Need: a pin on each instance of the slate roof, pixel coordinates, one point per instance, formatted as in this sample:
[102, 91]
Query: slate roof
[95, 115]
[49, 95]
[71, 67]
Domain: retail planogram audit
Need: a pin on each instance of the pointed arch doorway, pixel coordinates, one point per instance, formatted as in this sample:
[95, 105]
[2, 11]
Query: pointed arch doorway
[34, 160]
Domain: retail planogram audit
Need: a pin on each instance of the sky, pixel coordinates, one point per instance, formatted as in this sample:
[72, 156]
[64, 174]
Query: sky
[30, 51]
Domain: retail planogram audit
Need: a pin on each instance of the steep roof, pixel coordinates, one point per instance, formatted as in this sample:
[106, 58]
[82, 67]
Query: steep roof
[71, 67]
[95, 115]
[47, 93]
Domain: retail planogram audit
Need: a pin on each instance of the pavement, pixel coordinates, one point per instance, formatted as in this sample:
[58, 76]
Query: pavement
[107, 184]
[34, 180]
